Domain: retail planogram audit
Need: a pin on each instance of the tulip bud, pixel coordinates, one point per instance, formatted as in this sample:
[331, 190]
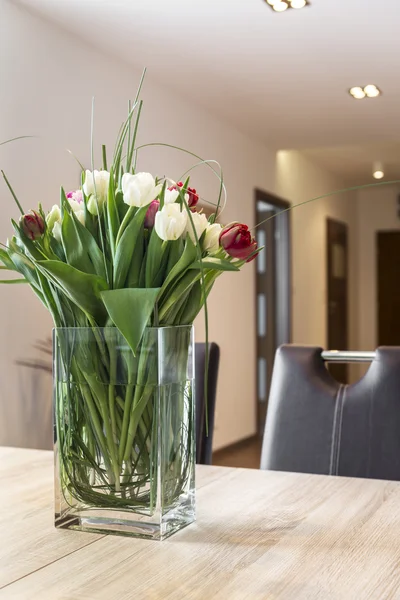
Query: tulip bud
[238, 242]
[191, 196]
[151, 214]
[96, 190]
[199, 222]
[32, 225]
[75, 196]
[211, 239]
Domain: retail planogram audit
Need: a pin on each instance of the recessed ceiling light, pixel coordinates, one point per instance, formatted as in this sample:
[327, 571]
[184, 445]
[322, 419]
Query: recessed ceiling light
[378, 172]
[372, 91]
[357, 92]
[368, 91]
[282, 5]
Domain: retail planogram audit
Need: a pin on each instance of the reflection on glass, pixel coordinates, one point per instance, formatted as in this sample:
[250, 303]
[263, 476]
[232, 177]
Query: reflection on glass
[261, 258]
[262, 380]
[262, 315]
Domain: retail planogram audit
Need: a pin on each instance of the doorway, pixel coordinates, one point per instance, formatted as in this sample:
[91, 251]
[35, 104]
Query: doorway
[337, 293]
[388, 300]
[273, 291]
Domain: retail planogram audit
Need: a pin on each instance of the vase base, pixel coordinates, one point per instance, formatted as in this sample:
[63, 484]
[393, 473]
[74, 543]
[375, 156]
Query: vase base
[131, 525]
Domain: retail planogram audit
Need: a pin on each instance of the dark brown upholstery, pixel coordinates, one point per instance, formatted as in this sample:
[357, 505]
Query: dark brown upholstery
[204, 441]
[316, 425]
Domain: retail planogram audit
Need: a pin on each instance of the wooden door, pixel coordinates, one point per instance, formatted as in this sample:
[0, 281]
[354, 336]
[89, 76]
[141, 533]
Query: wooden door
[337, 293]
[273, 291]
[388, 275]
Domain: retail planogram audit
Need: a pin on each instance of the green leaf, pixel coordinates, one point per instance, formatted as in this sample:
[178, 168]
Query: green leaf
[130, 310]
[192, 306]
[133, 279]
[6, 260]
[83, 252]
[75, 251]
[129, 215]
[82, 288]
[122, 208]
[175, 253]
[217, 264]
[187, 258]
[154, 256]
[23, 264]
[126, 246]
[182, 286]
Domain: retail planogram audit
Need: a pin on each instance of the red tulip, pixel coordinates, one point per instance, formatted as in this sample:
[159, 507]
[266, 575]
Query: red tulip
[151, 214]
[192, 196]
[238, 242]
[32, 225]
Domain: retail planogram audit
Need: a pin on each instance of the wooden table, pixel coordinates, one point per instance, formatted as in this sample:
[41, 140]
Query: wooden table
[258, 535]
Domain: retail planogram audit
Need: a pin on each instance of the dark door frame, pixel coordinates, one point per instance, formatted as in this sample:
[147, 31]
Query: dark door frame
[283, 266]
[339, 371]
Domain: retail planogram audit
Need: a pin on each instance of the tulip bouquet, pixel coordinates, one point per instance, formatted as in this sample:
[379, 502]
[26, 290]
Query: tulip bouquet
[122, 256]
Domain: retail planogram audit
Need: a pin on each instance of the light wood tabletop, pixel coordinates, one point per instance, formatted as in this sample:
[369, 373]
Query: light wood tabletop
[258, 535]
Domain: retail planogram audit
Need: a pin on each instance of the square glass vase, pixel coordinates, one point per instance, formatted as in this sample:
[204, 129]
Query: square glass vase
[124, 431]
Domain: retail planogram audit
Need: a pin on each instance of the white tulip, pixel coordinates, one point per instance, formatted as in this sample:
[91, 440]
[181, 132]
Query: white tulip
[211, 239]
[53, 216]
[53, 222]
[200, 225]
[170, 222]
[96, 189]
[56, 231]
[140, 189]
[170, 196]
[78, 210]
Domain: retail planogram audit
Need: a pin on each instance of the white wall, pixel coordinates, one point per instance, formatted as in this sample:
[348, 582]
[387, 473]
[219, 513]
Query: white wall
[298, 180]
[377, 211]
[47, 79]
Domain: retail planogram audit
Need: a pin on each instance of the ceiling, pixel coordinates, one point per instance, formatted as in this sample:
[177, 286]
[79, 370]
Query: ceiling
[355, 162]
[282, 78]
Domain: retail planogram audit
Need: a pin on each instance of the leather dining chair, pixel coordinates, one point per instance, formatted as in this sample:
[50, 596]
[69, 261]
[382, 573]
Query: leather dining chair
[204, 441]
[317, 425]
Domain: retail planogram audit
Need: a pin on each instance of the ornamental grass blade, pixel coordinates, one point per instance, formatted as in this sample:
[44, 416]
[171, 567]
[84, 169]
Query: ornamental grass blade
[13, 281]
[130, 310]
[112, 213]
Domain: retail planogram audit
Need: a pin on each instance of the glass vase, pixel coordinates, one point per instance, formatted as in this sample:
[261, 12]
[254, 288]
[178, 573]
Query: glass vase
[124, 431]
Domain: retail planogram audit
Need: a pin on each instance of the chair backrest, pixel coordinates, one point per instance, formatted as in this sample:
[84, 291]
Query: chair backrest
[317, 425]
[204, 441]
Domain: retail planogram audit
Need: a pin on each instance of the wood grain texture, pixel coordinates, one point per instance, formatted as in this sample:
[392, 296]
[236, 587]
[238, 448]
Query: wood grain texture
[258, 535]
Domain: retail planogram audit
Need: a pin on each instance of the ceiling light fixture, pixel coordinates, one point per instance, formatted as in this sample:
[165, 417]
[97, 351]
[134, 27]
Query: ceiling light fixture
[368, 91]
[357, 93]
[282, 5]
[298, 3]
[372, 91]
[378, 172]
